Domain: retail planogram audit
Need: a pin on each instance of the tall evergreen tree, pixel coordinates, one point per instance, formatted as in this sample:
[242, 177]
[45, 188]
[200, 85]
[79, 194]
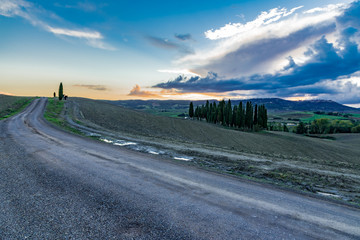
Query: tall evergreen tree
[234, 115]
[61, 93]
[191, 110]
[249, 115]
[215, 113]
[228, 116]
[256, 115]
[265, 116]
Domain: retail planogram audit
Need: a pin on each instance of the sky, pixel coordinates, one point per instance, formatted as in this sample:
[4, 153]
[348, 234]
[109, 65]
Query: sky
[296, 50]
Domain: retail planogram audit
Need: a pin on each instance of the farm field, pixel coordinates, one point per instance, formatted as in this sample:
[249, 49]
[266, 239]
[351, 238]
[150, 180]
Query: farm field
[289, 160]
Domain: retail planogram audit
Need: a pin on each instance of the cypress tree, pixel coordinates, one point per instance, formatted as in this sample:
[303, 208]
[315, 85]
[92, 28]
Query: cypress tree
[260, 121]
[224, 113]
[265, 117]
[240, 116]
[234, 115]
[61, 93]
[215, 113]
[256, 115]
[207, 110]
[191, 110]
[228, 115]
[249, 115]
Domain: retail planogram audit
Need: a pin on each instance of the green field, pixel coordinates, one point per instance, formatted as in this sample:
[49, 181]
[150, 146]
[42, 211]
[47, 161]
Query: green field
[320, 116]
[355, 115]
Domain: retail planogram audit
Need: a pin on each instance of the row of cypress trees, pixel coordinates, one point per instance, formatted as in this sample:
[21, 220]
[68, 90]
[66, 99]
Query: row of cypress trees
[239, 116]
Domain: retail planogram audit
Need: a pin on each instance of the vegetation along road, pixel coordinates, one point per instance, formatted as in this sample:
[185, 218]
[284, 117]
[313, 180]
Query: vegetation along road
[55, 185]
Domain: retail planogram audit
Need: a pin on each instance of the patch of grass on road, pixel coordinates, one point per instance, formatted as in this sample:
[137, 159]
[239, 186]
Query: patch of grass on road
[12, 105]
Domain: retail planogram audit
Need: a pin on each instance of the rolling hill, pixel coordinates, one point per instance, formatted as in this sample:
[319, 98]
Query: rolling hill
[272, 104]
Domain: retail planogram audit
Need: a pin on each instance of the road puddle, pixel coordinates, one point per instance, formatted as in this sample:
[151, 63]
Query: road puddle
[183, 158]
[328, 194]
[142, 148]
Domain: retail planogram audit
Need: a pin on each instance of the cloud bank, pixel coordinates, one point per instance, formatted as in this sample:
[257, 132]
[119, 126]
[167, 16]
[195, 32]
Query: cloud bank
[283, 53]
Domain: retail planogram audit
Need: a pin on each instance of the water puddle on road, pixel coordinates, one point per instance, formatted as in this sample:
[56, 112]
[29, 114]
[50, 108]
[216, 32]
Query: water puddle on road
[183, 158]
[328, 194]
[142, 148]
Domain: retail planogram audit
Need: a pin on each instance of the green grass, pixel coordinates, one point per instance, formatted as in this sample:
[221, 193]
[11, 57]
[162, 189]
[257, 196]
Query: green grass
[53, 115]
[53, 111]
[319, 116]
[11, 105]
[355, 115]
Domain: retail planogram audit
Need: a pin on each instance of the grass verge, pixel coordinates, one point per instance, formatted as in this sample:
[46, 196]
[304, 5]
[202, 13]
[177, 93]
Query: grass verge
[53, 114]
[15, 108]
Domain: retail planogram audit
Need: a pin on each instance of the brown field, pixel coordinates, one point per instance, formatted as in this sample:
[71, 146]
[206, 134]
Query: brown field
[287, 159]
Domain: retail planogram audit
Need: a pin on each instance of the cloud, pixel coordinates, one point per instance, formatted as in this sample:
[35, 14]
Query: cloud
[322, 75]
[178, 71]
[263, 19]
[264, 43]
[282, 54]
[75, 33]
[183, 37]
[167, 44]
[26, 10]
[12, 8]
[136, 91]
[84, 6]
[92, 87]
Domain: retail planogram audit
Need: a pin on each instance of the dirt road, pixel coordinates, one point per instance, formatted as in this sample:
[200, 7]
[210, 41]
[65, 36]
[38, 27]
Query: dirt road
[55, 185]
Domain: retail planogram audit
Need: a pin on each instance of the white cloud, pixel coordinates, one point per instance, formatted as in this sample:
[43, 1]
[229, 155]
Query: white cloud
[238, 49]
[178, 71]
[328, 8]
[347, 90]
[9, 8]
[264, 18]
[20, 8]
[75, 33]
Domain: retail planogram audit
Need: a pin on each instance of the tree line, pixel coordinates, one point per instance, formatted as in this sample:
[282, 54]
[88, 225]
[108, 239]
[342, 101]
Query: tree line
[243, 117]
[327, 126]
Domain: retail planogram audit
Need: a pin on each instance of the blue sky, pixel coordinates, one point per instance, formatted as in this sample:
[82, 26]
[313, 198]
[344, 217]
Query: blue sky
[181, 49]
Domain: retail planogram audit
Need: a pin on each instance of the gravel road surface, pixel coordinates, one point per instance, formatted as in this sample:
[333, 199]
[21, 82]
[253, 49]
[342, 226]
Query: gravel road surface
[55, 185]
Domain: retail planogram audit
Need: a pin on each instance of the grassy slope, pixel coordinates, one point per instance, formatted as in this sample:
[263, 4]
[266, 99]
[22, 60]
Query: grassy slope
[286, 145]
[10, 105]
[53, 112]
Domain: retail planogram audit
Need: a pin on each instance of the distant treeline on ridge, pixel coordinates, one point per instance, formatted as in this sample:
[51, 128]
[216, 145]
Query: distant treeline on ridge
[238, 116]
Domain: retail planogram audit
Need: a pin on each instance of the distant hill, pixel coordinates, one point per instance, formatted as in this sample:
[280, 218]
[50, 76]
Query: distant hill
[272, 104]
